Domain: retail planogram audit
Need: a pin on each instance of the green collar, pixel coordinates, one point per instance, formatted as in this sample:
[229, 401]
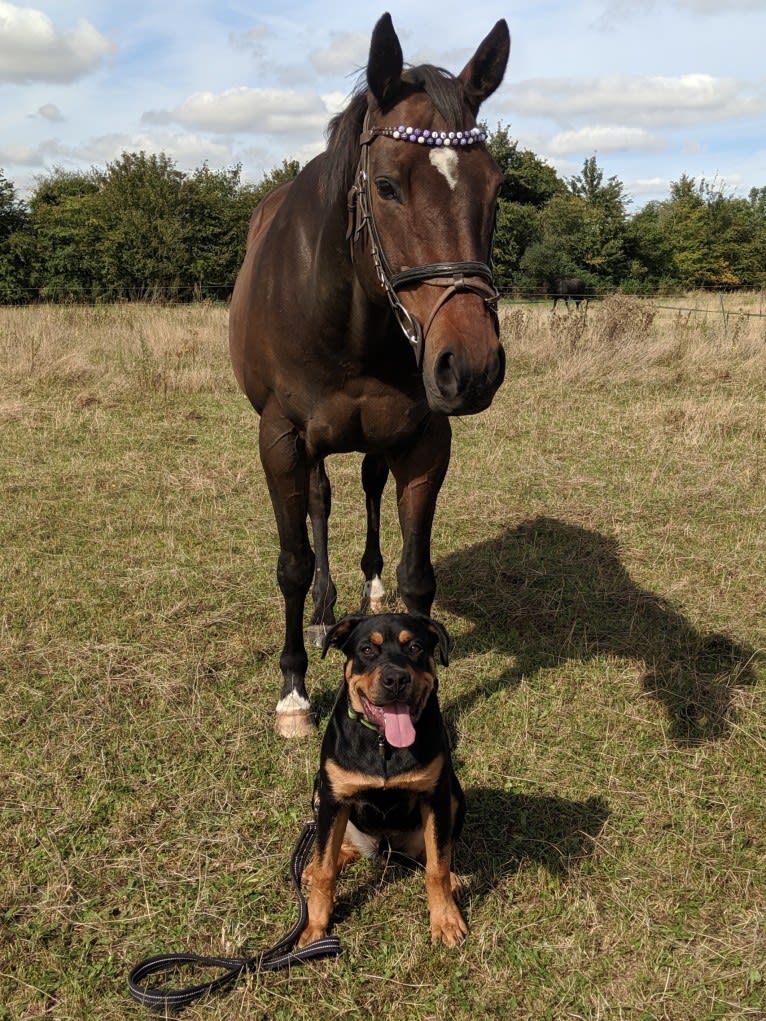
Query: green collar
[361, 718]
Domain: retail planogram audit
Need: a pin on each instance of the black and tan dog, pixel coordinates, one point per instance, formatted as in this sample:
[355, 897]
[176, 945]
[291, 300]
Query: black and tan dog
[385, 772]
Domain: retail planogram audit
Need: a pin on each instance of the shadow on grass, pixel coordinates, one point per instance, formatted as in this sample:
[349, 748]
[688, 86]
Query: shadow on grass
[547, 591]
[503, 830]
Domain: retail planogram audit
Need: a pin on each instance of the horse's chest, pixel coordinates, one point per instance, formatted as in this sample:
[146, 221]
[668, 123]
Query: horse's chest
[369, 421]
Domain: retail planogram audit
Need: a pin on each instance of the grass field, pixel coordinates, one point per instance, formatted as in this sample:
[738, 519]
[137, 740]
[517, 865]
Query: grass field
[601, 558]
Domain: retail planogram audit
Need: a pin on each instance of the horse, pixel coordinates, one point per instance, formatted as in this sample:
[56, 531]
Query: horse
[363, 316]
[569, 287]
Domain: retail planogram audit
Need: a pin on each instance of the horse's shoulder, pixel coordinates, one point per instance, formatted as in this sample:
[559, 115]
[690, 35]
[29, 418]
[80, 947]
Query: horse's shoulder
[265, 211]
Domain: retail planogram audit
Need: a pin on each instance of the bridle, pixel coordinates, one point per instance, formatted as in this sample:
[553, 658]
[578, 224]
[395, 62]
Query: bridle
[454, 277]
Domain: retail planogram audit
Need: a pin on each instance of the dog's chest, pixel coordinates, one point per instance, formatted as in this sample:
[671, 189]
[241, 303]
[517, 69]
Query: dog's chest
[386, 811]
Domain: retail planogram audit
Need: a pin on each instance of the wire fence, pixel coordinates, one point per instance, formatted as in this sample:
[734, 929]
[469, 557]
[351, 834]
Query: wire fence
[220, 293]
[512, 298]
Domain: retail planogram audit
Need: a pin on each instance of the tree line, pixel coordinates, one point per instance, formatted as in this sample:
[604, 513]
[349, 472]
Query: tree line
[141, 229]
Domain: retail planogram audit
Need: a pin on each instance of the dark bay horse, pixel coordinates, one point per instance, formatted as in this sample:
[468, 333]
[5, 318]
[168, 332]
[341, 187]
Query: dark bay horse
[569, 287]
[364, 315]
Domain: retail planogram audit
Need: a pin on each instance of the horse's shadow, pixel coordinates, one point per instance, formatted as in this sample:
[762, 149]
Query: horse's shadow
[502, 832]
[546, 591]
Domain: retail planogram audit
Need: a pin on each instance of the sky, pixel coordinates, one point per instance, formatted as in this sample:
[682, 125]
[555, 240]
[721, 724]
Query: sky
[653, 90]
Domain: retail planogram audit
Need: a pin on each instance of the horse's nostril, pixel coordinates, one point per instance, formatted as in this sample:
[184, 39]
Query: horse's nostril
[445, 374]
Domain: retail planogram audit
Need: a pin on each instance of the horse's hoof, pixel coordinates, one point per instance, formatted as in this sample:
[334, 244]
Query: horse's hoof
[374, 596]
[296, 723]
[294, 716]
[314, 634]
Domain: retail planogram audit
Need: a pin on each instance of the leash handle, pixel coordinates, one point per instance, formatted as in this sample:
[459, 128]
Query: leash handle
[281, 955]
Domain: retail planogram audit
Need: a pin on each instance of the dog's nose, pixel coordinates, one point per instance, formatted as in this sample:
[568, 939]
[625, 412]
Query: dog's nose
[395, 682]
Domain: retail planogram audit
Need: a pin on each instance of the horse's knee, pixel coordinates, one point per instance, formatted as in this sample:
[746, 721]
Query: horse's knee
[417, 586]
[295, 572]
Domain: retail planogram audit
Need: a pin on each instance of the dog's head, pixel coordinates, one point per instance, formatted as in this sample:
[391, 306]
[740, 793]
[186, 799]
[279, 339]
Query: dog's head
[390, 668]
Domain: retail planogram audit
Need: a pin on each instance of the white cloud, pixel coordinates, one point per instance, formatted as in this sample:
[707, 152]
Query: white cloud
[50, 112]
[252, 40]
[614, 11]
[33, 48]
[187, 149]
[602, 139]
[646, 101]
[21, 155]
[347, 52]
[273, 111]
[649, 186]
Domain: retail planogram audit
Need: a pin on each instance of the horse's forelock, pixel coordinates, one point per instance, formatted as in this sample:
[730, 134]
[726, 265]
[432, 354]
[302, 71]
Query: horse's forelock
[443, 89]
[445, 92]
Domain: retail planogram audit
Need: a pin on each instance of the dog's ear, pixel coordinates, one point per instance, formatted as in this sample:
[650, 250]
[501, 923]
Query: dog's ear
[442, 639]
[341, 632]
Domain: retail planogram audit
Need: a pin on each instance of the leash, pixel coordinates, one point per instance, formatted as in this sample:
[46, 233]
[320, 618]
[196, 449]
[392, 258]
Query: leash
[282, 955]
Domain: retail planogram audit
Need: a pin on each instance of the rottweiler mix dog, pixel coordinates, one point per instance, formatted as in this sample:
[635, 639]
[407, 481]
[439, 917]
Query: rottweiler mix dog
[385, 772]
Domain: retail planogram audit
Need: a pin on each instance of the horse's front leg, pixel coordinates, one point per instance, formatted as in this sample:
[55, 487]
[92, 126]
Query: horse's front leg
[323, 592]
[419, 472]
[374, 477]
[288, 472]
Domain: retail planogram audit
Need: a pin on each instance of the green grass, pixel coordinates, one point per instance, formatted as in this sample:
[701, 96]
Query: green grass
[601, 554]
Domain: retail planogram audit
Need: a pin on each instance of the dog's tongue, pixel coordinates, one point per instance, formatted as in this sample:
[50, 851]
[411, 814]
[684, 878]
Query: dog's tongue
[397, 725]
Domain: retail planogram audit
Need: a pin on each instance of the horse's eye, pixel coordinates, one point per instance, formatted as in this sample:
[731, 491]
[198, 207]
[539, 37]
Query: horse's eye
[386, 188]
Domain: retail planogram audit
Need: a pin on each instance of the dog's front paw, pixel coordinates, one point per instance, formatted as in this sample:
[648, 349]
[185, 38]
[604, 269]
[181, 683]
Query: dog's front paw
[311, 934]
[449, 927]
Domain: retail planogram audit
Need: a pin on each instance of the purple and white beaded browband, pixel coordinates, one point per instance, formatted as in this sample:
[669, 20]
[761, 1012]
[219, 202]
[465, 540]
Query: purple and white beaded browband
[425, 137]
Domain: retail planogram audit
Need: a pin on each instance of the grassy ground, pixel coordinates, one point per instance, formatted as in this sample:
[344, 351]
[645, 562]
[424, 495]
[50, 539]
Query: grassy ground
[601, 555]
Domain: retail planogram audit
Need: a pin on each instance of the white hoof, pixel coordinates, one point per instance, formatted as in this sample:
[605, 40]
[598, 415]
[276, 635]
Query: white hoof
[298, 724]
[294, 717]
[314, 634]
[374, 596]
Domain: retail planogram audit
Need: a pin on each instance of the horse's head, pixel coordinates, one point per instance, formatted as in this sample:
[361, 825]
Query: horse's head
[431, 190]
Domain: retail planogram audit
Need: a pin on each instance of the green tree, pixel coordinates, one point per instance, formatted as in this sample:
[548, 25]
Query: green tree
[140, 205]
[214, 231]
[65, 237]
[601, 244]
[528, 184]
[649, 251]
[14, 218]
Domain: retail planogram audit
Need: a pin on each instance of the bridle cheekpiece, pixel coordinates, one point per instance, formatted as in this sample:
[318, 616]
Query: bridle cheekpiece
[454, 277]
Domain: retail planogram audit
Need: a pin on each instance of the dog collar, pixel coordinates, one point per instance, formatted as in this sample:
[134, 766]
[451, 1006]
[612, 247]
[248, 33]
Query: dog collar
[361, 718]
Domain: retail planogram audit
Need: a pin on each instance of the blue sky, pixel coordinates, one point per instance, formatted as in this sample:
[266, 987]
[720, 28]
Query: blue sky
[653, 90]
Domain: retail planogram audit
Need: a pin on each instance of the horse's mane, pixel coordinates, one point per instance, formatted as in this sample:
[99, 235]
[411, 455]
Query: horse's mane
[342, 153]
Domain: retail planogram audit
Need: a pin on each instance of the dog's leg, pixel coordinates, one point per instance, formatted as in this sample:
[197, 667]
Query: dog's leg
[323, 872]
[447, 923]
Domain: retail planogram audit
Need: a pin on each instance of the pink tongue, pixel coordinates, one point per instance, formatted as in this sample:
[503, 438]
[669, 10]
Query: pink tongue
[397, 725]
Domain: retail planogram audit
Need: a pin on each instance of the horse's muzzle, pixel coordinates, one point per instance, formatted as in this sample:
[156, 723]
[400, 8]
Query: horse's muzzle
[457, 388]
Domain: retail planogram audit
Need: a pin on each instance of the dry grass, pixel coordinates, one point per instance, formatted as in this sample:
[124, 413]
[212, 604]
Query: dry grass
[601, 559]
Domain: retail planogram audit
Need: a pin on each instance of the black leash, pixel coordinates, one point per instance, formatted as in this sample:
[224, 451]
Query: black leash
[282, 955]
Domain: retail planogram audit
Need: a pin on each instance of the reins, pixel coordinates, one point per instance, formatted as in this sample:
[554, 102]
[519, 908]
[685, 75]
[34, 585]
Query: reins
[282, 955]
[455, 277]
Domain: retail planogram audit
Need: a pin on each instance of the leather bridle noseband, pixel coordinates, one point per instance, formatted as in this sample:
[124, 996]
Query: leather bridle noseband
[454, 277]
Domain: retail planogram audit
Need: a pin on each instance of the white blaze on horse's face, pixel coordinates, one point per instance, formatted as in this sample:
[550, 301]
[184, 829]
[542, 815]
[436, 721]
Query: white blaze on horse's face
[446, 162]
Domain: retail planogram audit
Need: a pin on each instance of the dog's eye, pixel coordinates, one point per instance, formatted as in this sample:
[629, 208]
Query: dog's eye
[369, 651]
[414, 648]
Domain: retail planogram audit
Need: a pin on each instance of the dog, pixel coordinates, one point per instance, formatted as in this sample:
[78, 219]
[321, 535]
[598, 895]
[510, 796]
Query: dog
[385, 775]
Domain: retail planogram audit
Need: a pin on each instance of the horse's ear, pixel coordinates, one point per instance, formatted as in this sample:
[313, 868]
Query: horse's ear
[384, 67]
[486, 68]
